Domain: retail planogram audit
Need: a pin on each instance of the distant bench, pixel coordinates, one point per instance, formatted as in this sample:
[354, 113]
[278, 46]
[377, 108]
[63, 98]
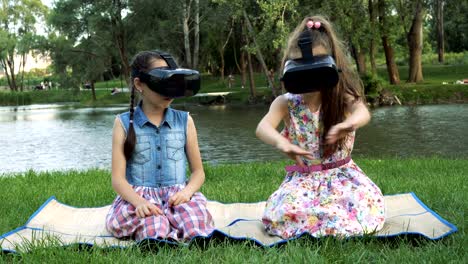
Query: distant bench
[213, 98]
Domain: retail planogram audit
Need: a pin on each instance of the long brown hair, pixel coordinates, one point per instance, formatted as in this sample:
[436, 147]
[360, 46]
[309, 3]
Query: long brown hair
[334, 101]
[141, 62]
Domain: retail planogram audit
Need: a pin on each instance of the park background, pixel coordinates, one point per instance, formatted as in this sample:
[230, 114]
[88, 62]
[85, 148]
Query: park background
[55, 122]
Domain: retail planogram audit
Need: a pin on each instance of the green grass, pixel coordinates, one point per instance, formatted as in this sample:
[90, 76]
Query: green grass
[432, 74]
[439, 183]
[103, 98]
[430, 91]
[39, 97]
[410, 94]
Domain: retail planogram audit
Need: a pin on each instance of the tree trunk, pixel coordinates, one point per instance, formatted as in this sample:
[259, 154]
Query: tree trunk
[221, 70]
[222, 49]
[415, 42]
[196, 45]
[244, 68]
[186, 30]
[259, 54]
[243, 63]
[372, 46]
[120, 38]
[25, 57]
[93, 90]
[251, 76]
[440, 29]
[7, 74]
[392, 69]
[360, 59]
[361, 56]
[11, 68]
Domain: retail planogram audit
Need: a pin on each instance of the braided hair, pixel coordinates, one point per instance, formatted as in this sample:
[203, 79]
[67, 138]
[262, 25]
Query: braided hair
[141, 62]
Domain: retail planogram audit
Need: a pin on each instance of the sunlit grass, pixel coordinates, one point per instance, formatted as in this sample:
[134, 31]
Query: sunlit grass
[439, 183]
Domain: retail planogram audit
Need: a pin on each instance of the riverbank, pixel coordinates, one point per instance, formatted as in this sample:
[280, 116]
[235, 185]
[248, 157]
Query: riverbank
[439, 183]
[438, 88]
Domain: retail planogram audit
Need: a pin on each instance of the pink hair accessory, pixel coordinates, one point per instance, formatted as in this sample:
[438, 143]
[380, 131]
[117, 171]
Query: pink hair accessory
[311, 24]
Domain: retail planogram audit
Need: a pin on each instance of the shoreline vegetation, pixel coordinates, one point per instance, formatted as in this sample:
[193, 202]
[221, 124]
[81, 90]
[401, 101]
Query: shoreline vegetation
[438, 88]
[438, 182]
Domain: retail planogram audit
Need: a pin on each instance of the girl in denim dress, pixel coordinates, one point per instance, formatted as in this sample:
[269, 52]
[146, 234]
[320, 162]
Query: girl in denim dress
[325, 192]
[151, 145]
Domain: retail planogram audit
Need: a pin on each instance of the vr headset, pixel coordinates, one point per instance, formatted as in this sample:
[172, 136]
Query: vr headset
[310, 73]
[171, 81]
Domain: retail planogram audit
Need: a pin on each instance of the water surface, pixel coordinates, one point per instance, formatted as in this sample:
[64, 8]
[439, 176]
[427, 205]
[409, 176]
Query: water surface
[54, 137]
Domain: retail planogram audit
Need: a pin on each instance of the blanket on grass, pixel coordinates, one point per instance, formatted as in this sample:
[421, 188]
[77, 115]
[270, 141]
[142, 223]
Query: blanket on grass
[67, 225]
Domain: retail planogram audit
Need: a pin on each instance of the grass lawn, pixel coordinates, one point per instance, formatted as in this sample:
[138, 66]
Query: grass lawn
[439, 183]
[432, 74]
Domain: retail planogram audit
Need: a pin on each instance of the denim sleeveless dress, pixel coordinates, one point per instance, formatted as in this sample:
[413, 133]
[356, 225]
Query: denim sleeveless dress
[338, 200]
[157, 171]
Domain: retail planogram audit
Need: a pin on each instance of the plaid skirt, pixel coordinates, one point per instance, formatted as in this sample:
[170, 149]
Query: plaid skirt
[181, 222]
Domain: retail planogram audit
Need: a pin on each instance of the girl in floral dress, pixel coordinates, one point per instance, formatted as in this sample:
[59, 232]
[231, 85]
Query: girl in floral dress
[325, 192]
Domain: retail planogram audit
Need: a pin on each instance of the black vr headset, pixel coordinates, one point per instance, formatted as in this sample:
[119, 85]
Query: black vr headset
[170, 81]
[310, 73]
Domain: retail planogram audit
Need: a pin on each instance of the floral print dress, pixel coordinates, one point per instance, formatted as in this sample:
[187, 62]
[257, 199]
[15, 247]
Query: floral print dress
[341, 201]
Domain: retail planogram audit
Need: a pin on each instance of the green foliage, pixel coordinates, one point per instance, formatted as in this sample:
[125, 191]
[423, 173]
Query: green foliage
[83, 34]
[276, 22]
[436, 74]
[455, 26]
[430, 94]
[351, 21]
[103, 98]
[450, 58]
[372, 84]
[83, 46]
[39, 97]
[18, 34]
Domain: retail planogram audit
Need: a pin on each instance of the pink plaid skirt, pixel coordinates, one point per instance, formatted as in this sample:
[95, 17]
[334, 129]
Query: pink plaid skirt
[180, 222]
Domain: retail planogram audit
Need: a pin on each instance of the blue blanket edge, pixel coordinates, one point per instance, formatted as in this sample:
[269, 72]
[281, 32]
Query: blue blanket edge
[452, 227]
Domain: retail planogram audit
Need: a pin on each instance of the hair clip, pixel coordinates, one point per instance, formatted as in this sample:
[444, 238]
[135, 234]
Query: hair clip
[131, 121]
[311, 24]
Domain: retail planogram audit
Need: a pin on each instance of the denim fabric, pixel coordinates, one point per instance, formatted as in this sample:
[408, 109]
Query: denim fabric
[159, 158]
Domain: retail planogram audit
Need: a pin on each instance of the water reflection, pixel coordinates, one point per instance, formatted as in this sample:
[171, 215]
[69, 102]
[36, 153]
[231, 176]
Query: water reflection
[416, 131]
[53, 137]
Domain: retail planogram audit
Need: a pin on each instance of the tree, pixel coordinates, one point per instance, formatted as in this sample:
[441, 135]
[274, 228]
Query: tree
[455, 26]
[119, 34]
[373, 26]
[25, 45]
[415, 42]
[190, 17]
[258, 52]
[439, 10]
[218, 28]
[87, 40]
[17, 19]
[392, 69]
[411, 15]
[351, 20]
[275, 23]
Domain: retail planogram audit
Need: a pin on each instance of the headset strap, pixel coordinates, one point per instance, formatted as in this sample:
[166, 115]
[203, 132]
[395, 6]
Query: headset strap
[305, 43]
[168, 58]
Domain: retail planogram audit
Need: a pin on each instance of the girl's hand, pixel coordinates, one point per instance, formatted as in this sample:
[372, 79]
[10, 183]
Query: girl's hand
[146, 208]
[338, 131]
[180, 198]
[294, 152]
